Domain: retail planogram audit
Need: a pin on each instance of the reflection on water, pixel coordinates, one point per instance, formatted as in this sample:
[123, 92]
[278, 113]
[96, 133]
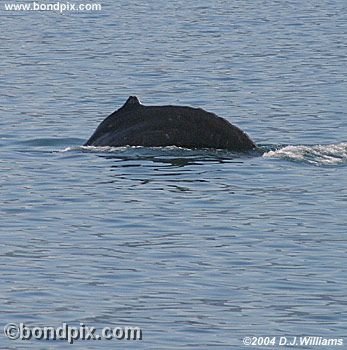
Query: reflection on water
[175, 156]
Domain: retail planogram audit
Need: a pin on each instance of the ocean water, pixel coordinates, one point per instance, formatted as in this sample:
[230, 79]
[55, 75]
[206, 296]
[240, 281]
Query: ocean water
[198, 248]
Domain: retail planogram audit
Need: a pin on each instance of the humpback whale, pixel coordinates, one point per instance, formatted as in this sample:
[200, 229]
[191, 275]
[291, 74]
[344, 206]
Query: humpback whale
[135, 124]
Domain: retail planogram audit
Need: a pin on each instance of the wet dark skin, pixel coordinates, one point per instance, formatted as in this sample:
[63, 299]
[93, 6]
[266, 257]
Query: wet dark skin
[135, 124]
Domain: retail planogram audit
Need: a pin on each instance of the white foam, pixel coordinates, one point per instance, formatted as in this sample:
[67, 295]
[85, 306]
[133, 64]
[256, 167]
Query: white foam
[94, 148]
[318, 154]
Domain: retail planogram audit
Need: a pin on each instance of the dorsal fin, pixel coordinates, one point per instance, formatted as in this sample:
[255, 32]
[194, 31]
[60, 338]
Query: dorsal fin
[131, 102]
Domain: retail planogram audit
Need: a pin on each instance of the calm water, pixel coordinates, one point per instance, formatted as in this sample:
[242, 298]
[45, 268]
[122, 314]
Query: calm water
[198, 248]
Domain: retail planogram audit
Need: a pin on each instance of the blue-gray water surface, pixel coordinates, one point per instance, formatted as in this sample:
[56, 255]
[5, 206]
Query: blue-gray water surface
[198, 248]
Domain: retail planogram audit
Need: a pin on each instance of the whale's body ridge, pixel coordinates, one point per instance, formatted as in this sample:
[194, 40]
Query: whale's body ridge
[135, 124]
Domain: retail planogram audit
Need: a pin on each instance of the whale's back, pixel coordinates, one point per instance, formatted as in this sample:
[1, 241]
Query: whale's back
[137, 125]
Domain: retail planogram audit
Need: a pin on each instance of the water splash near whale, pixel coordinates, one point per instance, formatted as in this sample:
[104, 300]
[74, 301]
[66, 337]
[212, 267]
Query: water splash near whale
[319, 155]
